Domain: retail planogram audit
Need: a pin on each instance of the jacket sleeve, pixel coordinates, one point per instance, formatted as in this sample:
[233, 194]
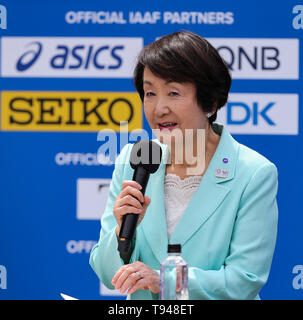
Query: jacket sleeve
[248, 263]
[104, 257]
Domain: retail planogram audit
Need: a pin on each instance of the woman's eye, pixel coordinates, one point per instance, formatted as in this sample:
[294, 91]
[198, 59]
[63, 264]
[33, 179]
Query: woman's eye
[174, 93]
[149, 94]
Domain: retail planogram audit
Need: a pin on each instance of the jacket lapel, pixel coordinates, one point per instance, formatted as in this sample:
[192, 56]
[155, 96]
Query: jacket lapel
[211, 191]
[203, 204]
[154, 223]
[209, 195]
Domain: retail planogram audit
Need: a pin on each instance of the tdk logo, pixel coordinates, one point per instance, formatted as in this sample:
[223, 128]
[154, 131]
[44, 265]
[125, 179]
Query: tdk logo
[69, 57]
[252, 113]
[297, 22]
[261, 113]
[3, 17]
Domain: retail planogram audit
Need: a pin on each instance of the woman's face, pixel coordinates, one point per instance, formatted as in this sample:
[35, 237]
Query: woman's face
[171, 105]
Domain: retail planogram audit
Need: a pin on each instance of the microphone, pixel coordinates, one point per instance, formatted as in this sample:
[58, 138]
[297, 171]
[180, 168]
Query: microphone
[145, 159]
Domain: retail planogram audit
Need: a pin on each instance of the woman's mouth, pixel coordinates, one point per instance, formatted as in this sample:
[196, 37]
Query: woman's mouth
[167, 125]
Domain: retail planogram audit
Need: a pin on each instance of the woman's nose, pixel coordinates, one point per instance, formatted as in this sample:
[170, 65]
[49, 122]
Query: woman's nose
[162, 107]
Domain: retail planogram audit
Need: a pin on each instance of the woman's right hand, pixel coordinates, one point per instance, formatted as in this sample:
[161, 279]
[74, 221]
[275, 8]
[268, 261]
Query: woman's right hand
[130, 200]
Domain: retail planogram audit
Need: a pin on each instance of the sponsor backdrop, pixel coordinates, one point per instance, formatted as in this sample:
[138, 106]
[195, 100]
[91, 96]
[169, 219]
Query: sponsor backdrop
[66, 73]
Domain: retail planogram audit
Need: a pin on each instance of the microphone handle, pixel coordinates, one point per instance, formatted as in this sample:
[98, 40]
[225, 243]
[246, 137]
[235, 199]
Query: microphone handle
[141, 176]
[130, 220]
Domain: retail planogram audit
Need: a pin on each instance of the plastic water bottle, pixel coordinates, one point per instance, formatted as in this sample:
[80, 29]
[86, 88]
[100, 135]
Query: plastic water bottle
[174, 275]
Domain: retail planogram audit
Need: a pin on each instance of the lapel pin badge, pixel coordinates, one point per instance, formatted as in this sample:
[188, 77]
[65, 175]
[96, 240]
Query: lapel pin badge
[225, 160]
[221, 173]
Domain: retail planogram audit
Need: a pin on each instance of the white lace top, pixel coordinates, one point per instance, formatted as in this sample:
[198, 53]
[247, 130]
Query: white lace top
[177, 194]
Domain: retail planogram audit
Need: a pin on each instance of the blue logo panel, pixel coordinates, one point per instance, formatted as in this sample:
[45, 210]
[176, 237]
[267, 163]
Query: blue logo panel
[70, 68]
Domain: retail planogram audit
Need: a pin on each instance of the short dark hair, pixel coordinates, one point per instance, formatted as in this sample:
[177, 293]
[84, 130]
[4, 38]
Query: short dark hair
[187, 57]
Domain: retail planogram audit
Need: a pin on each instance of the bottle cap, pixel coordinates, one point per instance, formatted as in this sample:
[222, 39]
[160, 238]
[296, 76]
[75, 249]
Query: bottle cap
[174, 248]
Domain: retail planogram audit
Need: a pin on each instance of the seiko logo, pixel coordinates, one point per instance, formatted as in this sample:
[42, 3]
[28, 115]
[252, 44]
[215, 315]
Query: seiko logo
[69, 111]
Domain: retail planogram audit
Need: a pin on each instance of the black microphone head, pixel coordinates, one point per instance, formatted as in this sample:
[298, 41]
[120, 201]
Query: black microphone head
[147, 154]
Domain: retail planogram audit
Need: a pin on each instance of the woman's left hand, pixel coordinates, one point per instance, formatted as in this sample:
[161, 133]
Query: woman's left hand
[134, 276]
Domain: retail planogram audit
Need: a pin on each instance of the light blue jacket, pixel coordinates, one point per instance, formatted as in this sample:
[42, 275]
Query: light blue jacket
[228, 231]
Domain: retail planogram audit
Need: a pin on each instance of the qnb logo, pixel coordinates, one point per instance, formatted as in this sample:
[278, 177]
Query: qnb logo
[252, 113]
[3, 277]
[263, 58]
[259, 58]
[3, 17]
[29, 57]
[297, 22]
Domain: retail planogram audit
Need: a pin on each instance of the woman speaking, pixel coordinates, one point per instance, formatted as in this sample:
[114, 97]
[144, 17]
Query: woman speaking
[223, 213]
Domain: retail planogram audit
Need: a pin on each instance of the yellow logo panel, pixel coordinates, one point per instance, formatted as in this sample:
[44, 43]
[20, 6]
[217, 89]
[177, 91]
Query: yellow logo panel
[70, 111]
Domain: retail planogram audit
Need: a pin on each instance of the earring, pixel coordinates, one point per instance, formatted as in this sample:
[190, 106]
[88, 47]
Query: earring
[208, 115]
